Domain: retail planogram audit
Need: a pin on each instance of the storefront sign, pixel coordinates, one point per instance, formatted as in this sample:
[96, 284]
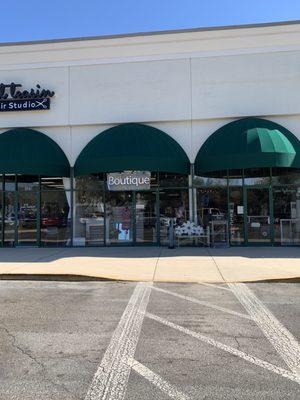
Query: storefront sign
[12, 98]
[136, 180]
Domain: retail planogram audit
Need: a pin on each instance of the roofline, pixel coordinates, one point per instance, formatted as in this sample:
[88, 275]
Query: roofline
[164, 32]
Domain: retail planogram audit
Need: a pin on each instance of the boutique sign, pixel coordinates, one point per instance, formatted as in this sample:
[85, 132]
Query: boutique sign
[13, 98]
[136, 180]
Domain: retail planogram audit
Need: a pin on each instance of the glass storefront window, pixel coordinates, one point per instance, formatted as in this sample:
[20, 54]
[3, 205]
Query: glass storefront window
[1, 215]
[285, 176]
[172, 204]
[205, 181]
[27, 183]
[236, 215]
[257, 176]
[119, 217]
[154, 180]
[1, 209]
[55, 218]
[236, 207]
[172, 180]
[145, 216]
[211, 205]
[235, 177]
[55, 183]
[89, 217]
[9, 182]
[10, 222]
[258, 215]
[37, 209]
[27, 217]
[89, 208]
[286, 215]
[91, 183]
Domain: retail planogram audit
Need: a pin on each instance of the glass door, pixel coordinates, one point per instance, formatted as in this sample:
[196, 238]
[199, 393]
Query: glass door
[173, 204]
[236, 215]
[119, 218]
[27, 218]
[286, 215]
[20, 210]
[145, 217]
[258, 216]
[27, 200]
[10, 220]
[1, 215]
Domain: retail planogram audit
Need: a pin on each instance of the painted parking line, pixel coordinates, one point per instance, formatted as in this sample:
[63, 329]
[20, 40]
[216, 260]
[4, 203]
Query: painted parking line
[111, 379]
[281, 339]
[202, 303]
[220, 287]
[247, 357]
[157, 381]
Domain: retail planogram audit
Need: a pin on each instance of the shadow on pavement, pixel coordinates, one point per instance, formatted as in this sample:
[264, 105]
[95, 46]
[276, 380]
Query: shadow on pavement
[35, 255]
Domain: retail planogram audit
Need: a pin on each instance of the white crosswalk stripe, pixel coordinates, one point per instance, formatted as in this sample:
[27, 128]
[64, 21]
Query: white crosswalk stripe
[282, 340]
[157, 381]
[247, 357]
[111, 379]
[202, 303]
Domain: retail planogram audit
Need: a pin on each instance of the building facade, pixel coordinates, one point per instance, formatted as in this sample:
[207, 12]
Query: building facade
[104, 141]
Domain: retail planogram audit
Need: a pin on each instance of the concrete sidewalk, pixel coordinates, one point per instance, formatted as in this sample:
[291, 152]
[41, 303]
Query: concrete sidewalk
[155, 264]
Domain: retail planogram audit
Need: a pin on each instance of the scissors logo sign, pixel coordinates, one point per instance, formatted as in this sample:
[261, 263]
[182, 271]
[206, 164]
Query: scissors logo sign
[13, 98]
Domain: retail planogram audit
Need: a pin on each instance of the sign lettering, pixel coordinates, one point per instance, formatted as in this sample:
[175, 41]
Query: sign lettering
[136, 180]
[12, 98]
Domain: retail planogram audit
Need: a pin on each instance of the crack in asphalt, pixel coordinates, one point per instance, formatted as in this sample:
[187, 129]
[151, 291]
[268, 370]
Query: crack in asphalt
[34, 359]
[237, 342]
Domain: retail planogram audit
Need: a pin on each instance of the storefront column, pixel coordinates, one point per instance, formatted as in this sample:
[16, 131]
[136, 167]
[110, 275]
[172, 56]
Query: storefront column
[38, 214]
[3, 209]
[192, 196]
[72, 204]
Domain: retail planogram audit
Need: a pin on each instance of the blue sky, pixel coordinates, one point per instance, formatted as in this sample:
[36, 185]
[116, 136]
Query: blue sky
[23, 20]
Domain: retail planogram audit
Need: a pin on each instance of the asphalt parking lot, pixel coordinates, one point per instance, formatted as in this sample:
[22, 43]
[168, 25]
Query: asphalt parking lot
[113, 340]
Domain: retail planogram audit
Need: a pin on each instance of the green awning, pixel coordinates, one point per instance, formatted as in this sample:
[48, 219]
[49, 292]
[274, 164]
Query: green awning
[29, 152]
[248, 143]
[132, 147]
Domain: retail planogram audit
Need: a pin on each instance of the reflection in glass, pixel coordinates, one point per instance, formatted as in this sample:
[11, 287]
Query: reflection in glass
[285, 176]
[145, 216]
[1, 216]
[235, 177]
[257, 176]
[89, 217]
[92, 183]
[55, 218]
[211, 205]
[236, 215]
[9, 218]
[55, 183]
[258, 216]
[204, 181]
[10, 182]
[27, 216]
[286, 215]
[27, 183]
[119, 217]
[172, 204]
[172, 180]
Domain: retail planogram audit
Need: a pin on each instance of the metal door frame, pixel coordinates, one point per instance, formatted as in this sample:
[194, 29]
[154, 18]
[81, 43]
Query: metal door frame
[16, 221]
[245, 193]
[37, 196]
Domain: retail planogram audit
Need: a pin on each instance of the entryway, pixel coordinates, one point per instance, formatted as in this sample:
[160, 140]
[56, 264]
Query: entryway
[258, 215]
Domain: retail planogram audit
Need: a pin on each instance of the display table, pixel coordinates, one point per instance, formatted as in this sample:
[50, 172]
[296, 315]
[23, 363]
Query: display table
[194, 239]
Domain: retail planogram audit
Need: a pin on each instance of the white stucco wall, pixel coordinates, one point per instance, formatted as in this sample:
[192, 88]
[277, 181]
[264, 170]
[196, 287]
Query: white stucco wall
[187, 84]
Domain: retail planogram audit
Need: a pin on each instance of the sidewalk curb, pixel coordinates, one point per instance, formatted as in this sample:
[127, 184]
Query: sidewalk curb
[90, 278]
